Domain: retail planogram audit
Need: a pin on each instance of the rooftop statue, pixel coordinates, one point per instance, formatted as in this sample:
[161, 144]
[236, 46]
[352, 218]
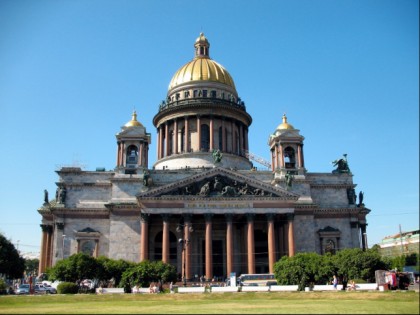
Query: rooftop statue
[361, 195]
[289, 179]
[45, 197]
[217, 156]
[342, 165]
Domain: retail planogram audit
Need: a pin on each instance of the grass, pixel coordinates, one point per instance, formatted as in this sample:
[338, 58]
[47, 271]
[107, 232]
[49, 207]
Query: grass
[391, 302]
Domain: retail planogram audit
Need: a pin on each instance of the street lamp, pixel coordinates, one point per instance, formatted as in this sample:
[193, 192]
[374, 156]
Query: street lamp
[184, 242]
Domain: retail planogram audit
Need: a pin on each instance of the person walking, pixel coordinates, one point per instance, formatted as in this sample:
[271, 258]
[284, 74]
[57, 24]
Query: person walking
[335, 282]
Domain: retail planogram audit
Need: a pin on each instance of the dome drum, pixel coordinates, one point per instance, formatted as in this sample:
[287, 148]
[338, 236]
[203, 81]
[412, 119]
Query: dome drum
[202, 90]
[194, 107]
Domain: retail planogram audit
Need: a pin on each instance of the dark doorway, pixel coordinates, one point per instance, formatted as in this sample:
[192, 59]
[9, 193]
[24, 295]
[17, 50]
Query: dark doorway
[217, 246]
[261, 251]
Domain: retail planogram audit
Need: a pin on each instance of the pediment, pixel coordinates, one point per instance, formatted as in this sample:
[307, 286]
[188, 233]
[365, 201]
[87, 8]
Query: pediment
[219, 183]
[88, 230]
[328, 229]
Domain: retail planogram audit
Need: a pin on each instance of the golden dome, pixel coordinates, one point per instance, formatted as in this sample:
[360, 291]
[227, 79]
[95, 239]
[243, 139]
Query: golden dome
[201, 68]
[133, 122]
[285, 124]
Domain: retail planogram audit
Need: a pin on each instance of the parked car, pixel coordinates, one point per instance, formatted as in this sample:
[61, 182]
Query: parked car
[50, 289]
[39, 288]
[23, 289]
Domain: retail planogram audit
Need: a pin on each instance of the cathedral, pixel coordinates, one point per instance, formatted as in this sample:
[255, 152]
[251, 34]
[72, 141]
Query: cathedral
[203, 206]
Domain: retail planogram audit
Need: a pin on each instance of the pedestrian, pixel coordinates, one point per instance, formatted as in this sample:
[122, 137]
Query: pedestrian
[335, 282]
[171, 287]
[344, 283]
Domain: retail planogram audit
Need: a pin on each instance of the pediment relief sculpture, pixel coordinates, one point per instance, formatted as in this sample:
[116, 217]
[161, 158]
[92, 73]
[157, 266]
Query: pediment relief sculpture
[219, 186]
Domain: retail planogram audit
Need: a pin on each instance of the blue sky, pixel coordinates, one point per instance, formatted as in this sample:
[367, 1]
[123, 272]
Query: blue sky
[346, 73]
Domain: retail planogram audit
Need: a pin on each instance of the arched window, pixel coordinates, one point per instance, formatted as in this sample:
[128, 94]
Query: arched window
[205, 138]
[132, 155]
[289, 157]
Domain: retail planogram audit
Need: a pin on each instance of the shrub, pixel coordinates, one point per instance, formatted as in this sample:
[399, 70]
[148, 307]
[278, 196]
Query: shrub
[67, 288]
[3, 287]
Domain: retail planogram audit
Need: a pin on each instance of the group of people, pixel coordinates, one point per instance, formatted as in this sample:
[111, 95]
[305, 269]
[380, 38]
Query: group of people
[351, 287]
[153, 288]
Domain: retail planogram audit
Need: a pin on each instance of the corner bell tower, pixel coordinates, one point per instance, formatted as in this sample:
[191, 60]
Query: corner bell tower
[132, 147]
[286, 146]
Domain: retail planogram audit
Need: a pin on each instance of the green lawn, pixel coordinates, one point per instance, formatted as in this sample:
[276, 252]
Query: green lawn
[391, 302]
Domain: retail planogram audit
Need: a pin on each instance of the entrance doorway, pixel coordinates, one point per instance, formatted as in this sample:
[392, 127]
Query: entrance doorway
[218, 265]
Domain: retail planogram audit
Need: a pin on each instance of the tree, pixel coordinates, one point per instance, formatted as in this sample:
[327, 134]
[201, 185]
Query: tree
[75, 268]
[303, 269]
[145, 272]
[356, 263]
[31, 265]
[112, 269]
[11, 264]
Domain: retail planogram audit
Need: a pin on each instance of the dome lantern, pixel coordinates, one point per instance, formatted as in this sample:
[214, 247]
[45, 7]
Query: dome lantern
[202, 47]
[202, 70]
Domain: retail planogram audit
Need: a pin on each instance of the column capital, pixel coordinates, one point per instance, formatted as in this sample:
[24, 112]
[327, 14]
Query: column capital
[59, 225]
[354, 225]
[250, 217]
[46, 228]
[165, 216]
[144, 217]
[229, 217]
[187, 217]
[208, 217]
[270, 216]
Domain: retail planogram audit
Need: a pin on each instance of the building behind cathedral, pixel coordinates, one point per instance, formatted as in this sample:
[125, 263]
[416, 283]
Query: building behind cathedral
[203, 203]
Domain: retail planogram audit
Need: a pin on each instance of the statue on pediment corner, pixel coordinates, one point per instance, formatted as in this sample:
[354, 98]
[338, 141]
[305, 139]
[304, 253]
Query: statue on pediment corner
[341, 164]
[217, 156]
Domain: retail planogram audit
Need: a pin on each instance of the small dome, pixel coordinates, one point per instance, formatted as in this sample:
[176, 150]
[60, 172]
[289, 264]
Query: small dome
[285, 124]
[202, 40]
[202, 68]
[133, 122]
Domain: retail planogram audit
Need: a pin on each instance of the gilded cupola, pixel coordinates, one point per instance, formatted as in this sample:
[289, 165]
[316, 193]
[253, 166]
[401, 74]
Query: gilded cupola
[133, 122]
[202, 68]
[284, 124]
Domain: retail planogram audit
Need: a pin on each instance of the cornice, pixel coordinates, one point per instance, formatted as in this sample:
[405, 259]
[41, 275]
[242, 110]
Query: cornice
[337, 186]
[88, 184]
